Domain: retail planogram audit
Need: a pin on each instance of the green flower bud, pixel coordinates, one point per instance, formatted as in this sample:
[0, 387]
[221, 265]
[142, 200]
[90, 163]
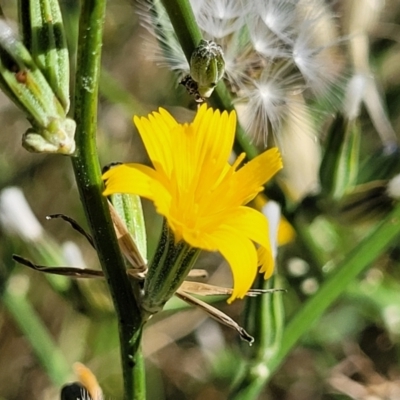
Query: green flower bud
[207, 66]
[43, 35]
[25, 84]
[57, 137]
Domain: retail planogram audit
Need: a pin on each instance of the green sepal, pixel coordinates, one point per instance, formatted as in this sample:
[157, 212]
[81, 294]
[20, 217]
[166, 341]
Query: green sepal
[169, 268]
[129, 208]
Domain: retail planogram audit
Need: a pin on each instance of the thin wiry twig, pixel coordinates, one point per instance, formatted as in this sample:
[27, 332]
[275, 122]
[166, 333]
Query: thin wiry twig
[74, 225]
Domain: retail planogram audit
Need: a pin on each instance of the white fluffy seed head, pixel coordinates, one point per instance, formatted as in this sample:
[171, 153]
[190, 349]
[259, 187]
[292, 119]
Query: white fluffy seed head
[165, 50]
[273, 50]
[315, 47]
[265, 41]
[277, 15]
[267, 101]
[219, 18]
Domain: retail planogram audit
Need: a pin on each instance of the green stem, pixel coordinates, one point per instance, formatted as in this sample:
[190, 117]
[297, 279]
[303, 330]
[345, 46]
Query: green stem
[88, 178]
[189, 35]
[346, 272]
[264, 319]
[182, 19]
[49, 355]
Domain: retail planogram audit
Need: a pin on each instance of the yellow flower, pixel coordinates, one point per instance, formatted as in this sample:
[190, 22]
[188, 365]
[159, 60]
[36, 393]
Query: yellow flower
[200, 194]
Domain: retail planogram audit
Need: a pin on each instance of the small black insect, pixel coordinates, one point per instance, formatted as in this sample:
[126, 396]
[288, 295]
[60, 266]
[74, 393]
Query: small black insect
[192, 88]
[74, 391]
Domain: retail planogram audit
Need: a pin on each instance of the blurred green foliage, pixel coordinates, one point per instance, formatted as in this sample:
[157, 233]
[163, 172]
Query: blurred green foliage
[354, 346]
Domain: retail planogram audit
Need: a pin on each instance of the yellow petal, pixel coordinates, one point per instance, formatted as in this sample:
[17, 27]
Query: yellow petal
[155, 132]
[256, 173]
[250, 223]
[286, 233]
[214, 136]
[201, 195]
[141, 180]
[265, 261]
[204, 150]
[241, 255]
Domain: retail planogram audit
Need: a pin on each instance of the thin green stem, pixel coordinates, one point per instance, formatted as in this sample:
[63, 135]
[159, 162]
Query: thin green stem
[264, 319]
[88, 177]
[185, 26]
[346, 272]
